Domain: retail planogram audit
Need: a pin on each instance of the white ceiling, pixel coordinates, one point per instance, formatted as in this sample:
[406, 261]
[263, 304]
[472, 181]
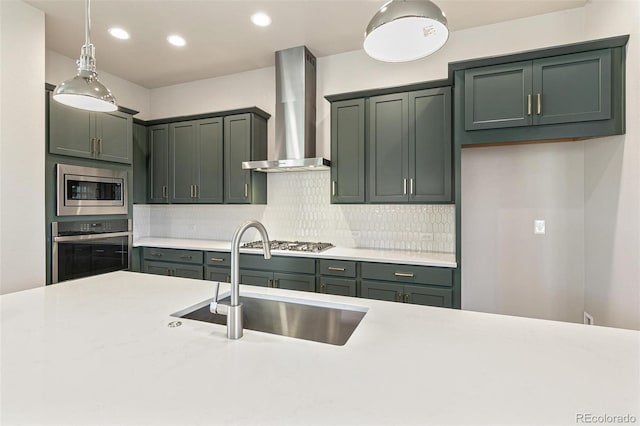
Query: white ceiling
[222, 40]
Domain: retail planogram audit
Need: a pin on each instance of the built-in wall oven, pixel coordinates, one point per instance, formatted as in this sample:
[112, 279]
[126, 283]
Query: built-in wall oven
[90, 191]
[84, 248]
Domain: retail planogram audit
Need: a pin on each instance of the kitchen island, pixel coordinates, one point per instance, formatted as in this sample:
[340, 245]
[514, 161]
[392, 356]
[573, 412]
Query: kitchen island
[99, 351]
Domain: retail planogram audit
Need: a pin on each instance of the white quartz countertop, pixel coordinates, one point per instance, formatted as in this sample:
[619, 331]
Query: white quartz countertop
[99, 351]
[405, 257]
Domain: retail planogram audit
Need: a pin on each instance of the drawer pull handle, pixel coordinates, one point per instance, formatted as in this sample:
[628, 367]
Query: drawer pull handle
[529, 104]
[156, 254]
[539, 103]
[217, 259]
[186, 256]
[406, 298]
[335, 268]
[403, 274]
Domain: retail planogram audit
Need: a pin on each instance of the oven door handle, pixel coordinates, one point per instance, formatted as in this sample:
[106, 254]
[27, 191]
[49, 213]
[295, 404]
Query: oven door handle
[91, 236]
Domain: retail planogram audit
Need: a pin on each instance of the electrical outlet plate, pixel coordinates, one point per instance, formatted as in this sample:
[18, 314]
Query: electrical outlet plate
[539, 227]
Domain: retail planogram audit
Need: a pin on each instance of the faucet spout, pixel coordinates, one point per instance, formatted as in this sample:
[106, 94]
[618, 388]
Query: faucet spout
[234, 311]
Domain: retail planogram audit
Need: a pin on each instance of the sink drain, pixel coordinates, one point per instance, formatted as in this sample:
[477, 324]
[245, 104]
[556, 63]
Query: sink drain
[174, 324]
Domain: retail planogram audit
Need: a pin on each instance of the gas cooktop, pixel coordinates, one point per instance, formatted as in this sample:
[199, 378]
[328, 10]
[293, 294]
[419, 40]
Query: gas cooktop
[291, 245]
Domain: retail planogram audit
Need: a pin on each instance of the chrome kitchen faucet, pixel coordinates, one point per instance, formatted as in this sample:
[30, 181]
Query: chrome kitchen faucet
[234, 310]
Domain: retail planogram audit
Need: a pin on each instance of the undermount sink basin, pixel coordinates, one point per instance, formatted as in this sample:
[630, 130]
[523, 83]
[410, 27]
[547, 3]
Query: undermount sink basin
[299, 318]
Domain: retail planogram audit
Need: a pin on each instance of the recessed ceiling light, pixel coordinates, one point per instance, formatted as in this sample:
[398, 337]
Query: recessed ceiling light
[261, 19]
[176, 40]
[119, 33]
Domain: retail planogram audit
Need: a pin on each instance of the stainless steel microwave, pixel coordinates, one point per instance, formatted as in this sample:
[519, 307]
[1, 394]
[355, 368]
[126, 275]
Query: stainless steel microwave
[91, 191]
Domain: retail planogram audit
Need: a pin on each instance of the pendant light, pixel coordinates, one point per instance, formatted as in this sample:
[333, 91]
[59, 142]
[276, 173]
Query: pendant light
[85, 91]
[406, 30]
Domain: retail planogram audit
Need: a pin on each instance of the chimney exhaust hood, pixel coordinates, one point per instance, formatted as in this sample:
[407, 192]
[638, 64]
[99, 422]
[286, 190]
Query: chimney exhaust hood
[295, 115]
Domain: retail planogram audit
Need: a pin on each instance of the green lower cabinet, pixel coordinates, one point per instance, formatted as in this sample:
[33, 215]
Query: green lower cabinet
[337, 286]
[212, 273]
[287, 281]
[257, 278]
[298, 282]
[418, 295]
[173, 269]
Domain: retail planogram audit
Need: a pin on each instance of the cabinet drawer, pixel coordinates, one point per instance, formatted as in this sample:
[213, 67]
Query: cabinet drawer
[340, 268]
[339, 286]
[408, 274]
[173, 269]
[217, 258]
[173, 255]
[278, 263]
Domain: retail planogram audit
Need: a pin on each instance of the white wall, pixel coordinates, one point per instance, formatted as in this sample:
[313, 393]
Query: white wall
[60, 68]
[22, 136]
[612, 187]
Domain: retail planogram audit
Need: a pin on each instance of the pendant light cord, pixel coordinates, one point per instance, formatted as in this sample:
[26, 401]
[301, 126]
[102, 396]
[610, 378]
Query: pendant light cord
[87, 22]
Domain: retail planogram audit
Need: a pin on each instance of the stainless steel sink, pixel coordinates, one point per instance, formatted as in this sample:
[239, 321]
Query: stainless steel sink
[299, 318]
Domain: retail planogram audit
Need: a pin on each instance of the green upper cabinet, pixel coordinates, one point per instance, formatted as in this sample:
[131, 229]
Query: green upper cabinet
[158, 163]
[195, 161]
[245, 139]
[106, 136]
[430, 172]
[553, 90]
[347, 151]
[388, 148]
[410, 147]
[140, 156]
[572, 88]
[497, 96]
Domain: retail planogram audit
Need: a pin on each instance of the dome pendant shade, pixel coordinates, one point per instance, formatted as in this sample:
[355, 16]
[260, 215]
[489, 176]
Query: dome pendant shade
[406, 30]
[84, 91]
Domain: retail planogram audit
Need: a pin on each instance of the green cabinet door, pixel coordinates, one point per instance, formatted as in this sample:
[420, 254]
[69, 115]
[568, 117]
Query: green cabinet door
[245, 139]
[381, 291]
[159, 163]
[157, 268]
[173, 269]
[388, 148]
[428, 296]
[212, 273]
[140, 166]
[183, 151]
[430, 170]
[298, 282]
[70, 131]
[572, 88]
[347, 151]
[114, 134]
[257, 278]
[209, 161]
[338, 286]
[187, 271]
[498, 96]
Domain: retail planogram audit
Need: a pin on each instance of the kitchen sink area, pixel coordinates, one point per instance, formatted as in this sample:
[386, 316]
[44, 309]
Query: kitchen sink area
[291, 317]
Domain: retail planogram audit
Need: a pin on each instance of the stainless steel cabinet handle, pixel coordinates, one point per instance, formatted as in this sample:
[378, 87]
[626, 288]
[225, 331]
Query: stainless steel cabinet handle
[276, 283]
[398, 297]
[121, 252]
[92, 148]
[228, 278]
[322, 287]
[164, 191]
[539, 103]
[333, 188]
[186, 256]
[269, 283]
[156, 254]
[406, 298]
[197, 191]
[404, 186]
[529, 104]
[99, 251]
[403, 274]
[192, 191]
[217, 259]
[411, 186]
[335, 268]
[246, 190]
[100, 146]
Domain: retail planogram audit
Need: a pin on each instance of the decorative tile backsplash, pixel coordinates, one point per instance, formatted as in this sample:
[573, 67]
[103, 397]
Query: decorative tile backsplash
[299, 208]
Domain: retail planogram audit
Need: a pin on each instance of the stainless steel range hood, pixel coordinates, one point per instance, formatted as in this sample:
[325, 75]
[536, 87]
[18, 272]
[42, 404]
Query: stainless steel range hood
[295, 115]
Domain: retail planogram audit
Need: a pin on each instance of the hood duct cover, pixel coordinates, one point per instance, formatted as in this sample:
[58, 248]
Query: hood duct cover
[295, 115]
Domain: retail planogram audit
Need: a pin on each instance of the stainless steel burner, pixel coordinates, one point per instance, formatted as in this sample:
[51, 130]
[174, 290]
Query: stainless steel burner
[291, 245]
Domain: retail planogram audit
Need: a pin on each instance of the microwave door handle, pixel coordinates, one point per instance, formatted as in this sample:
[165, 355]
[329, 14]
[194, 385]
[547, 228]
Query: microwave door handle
[91, 236]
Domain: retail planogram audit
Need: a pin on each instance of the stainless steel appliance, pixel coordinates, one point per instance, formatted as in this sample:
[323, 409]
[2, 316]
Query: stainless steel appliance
[85, 248]
[291, 245]
[90, 190]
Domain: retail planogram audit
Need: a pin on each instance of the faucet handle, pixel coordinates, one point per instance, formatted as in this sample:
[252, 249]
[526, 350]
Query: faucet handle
[213, 307]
